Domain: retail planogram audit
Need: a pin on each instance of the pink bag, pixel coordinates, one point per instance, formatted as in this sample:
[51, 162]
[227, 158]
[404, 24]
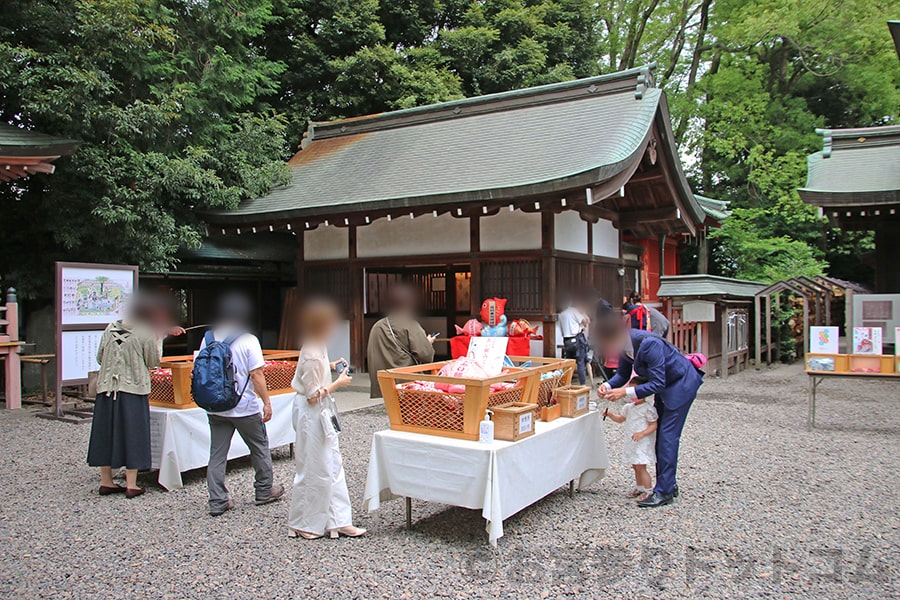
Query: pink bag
[698, 359]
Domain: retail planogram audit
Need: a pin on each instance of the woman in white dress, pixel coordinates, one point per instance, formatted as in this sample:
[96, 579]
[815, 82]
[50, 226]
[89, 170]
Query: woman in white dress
[320, 503]
[639, 444]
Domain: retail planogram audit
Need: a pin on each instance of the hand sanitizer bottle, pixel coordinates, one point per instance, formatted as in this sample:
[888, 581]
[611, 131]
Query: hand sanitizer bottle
[486, 430]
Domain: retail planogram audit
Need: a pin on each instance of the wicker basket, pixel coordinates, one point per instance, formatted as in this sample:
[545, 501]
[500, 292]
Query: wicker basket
[546, 387]
[170, 384]
[449, 414]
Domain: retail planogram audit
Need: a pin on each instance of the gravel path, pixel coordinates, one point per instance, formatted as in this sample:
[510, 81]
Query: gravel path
[767, 509]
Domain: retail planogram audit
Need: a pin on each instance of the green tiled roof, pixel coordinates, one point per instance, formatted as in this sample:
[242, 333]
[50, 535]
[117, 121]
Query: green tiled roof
[15, 141]
[544, 140]
[856, 166]
[716, 209]
[683, 286]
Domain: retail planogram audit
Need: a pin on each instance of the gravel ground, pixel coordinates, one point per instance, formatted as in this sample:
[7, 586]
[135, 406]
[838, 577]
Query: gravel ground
[767, 509]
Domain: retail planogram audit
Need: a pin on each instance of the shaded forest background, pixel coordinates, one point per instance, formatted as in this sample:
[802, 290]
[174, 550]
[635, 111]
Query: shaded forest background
[186, 105]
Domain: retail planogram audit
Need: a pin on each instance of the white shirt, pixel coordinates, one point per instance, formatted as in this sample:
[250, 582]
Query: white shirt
[571, 322]
[246, 356]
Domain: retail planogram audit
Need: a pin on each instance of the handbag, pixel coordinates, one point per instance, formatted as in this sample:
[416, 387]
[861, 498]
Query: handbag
[330, 420]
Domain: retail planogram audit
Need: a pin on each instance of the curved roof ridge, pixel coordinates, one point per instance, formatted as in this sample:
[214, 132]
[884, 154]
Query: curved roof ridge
[636, 80]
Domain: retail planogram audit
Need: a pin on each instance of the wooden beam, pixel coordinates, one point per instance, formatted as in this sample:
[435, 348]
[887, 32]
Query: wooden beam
[636, 217]
[647, 176]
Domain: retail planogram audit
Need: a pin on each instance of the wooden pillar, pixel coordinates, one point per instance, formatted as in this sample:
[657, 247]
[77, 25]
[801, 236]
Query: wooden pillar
[724, 309]
[300, 266]
[475, 266]
[768, 329]
[548, 276]
[356, 308]
[757, 328]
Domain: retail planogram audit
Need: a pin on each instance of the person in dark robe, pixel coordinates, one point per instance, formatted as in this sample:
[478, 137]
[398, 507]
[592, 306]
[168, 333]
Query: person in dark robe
[398, 340]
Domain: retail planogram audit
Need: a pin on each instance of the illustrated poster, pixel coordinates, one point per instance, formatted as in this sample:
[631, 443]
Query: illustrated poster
[91, 296]
[867, 340]
[823, 340]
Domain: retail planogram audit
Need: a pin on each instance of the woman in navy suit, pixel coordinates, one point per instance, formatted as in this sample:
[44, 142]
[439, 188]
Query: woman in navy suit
[671, 378]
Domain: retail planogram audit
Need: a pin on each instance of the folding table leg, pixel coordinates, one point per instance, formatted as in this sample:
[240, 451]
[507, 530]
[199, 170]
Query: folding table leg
[408, 513]
[572, 489]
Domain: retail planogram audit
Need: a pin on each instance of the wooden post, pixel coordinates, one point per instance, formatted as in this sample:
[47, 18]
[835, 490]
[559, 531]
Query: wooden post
[806, 324]
[474, 267]
[724, 309]
[356, 308]
[548, 276]
[13, 366]
[757, 328]
[769, 329]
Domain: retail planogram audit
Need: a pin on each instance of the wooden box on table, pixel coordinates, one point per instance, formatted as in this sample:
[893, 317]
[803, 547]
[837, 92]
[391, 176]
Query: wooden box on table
[547, 386]
[871, 363]
[513, 421]
[574, 400]
[551, 413]
[455, 414]
[834, 363]
[170, 383]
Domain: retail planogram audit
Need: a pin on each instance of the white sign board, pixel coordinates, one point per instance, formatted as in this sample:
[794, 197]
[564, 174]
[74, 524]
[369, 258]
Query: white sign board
[79, 353]
[488, 352]
[699, 311]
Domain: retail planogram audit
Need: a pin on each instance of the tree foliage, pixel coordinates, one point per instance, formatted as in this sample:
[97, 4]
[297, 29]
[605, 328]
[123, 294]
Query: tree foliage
[186, 106]
[165, 97]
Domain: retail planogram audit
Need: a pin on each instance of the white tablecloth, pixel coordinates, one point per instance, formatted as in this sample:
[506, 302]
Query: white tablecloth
[179, 438]
[500, 478]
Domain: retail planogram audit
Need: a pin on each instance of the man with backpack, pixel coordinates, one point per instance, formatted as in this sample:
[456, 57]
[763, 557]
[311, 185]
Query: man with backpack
[228, 382]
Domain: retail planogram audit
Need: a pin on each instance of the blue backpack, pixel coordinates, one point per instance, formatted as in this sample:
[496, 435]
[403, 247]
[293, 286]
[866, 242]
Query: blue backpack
[212, 383]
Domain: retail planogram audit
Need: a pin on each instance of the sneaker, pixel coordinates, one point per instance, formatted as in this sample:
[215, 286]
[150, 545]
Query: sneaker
[229, 506]
[275, 493]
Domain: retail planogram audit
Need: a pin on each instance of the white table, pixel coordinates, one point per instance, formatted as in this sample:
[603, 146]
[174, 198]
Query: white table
[500, 478]
[179, 438]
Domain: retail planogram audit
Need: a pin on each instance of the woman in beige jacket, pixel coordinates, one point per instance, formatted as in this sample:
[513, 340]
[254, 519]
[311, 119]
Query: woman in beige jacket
[120, 429]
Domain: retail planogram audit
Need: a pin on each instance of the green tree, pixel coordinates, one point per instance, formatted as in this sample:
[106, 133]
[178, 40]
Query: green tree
[165, 96]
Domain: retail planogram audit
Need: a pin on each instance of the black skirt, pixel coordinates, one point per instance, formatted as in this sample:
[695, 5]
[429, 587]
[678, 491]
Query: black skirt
[120, 432]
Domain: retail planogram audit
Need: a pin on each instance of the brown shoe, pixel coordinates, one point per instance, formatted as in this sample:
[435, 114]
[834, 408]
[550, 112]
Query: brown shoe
[275, 493]
[134, 493]
[106, 490]
[221, 511]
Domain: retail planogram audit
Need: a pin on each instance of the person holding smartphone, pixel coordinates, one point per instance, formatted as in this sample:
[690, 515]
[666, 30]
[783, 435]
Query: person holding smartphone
[320, 503]
[398, 340]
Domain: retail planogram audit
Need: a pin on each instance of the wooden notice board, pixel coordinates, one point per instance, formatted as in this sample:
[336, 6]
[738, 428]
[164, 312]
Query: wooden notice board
[88, 298]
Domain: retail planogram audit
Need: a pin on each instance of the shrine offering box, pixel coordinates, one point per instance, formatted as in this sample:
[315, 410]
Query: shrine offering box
[876, 363]
[574, 400]
[513, 421]
[551, 413]
[548, 384]
[455, 414]
[170, 383]
[837, 363]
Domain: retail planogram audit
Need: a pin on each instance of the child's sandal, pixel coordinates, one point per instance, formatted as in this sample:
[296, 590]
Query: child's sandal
[637, 492]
